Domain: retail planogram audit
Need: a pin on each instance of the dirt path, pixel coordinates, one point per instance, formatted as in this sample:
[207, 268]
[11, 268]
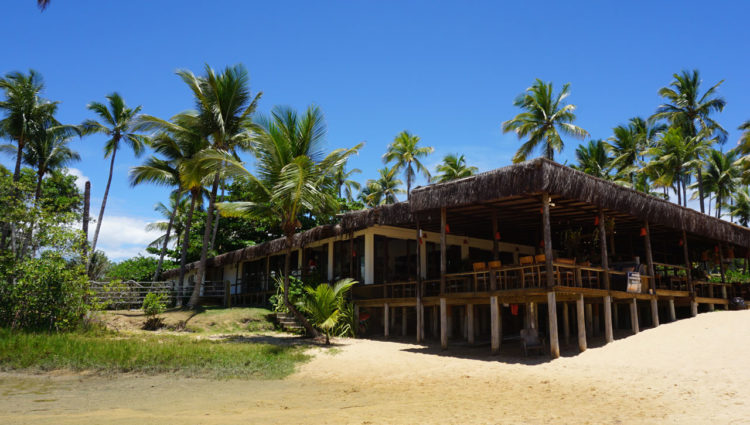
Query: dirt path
[687, 372]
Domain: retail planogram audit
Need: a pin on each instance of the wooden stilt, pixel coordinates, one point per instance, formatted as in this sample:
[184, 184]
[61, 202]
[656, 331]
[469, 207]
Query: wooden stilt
[672, 313]
[615, 316]
[495, 325]
[356, 317]
[443, 324]
[535, 315]
[435, 320]
[580, 318]
[608, 333]
[386, 320]
[634, 315]
[589, 319]
[554, 342]
[403, 321]
[420, 320]
[566, 324]
[470, 323]
[443, 255]
[597, 321]
[654, 311]
[693, 308]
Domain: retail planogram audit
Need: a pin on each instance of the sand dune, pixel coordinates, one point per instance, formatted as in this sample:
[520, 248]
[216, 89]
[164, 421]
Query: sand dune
[691, 371]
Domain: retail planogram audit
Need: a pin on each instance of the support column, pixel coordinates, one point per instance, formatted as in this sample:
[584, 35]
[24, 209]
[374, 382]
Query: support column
[369, 258]
[495, 242]
[554, 342]
[435, 318]
[547, 230]
[589, 319]
[634, 315]
[330, 262]
[581, 323]
[443, 324]
[470, 323]
[419, 305]
[615, 316]
[672, 313]
[356, 317]
[566, 324]
[403, 321]
[495, 325]
[649, 256]
[386, 320]
[693, 308]
[654, 311]
[443, 255]
[603, 245]
[608, 333]
[691, 288]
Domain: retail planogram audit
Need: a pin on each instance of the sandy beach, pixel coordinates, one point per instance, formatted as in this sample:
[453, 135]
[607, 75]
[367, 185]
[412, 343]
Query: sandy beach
[691, 371]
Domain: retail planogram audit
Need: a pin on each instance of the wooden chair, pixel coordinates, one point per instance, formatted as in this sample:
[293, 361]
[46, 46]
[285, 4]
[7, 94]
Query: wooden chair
[480, 275]
[541, 270]
[527, 271]
[494, 266]
[588, 277]
[566, 271]
[531, 341]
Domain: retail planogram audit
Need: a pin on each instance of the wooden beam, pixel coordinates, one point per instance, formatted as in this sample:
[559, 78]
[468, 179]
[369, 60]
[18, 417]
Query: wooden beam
[495, 325]
[443, 254]
[649, 255]
[608, 333]
[672, 314]
[443, 324]
[566, 323]
[547, 231]
[580, 318]
[654, 311]
[615, 316]
[634, 316]
[495, 242]
[554, 341]
[603, 246]
[386, 320]
[470, 323]
[420, 306]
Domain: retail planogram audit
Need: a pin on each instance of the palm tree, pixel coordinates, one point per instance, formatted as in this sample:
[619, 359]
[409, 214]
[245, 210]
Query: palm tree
[117, 124]
[48, 150]
[721, 176]
[225, 107]
[743, 146]
[384, 189]
[672, 159]
[177, 203]
[594, 159]
[344, 181]
[293, 177]
[741, 208]
[454, 167]
[405, 154]
[179, 141]
[25, 110]
[545, 116]
[687, 109]
[324, 304]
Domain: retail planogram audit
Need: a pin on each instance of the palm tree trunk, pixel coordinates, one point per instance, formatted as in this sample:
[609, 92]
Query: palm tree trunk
[19, 156]
[718, 206]
[408, 185]
[186, 236]
[38, 193]
[679, 192]
[216, 222]
[684, 191]
[292, 309]
[104, 201]
[700, 187]
[27, 241]
[166, 242]
[204, 247]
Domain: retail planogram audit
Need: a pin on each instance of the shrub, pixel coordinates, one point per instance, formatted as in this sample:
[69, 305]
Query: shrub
[296, 292]
[153, 305]
[323, 304]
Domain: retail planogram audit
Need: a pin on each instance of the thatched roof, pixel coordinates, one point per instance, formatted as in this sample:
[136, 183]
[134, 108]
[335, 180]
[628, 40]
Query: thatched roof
[393, 215]
[541, 175]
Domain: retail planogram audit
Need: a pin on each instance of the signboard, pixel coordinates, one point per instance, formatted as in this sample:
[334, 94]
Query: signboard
[634, 282]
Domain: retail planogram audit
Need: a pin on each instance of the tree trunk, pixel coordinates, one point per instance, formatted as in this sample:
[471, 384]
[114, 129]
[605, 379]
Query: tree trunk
[19, 156]
[186, 235]
[700, 187]
[292, 309]
[718, 206]
[684, 191]
[678, 189]
[164, 246]
[204, 246]
[104, 201]
[85, 224]
[408, 184]
[38, 193]
[216, 222]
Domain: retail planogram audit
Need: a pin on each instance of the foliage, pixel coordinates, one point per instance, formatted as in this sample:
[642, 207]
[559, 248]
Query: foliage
[324, 304]
[139, 269]
[453, 167]
[405, 155]
[153, 305]
[383, 190]
[98, 266]
[296, 292]
[150, 354]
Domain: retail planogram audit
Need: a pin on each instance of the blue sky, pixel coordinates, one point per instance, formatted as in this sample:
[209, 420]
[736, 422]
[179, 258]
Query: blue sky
[448, 72]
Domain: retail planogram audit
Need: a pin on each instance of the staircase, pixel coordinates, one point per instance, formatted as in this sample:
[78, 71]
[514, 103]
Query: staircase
[289, 323]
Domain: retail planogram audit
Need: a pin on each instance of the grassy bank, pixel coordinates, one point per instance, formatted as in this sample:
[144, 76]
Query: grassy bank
[209, 320]
[151, 354]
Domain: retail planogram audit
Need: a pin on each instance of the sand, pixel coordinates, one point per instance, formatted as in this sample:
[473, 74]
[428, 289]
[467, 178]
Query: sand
[692, 371]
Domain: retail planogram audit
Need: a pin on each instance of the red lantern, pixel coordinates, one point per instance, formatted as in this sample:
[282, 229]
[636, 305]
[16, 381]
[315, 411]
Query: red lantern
[447, 228]
[354, 253]
[541, 244]
[541, 210]
[497, 236]
[643, 231]
[682, 242]
[596, 220]
[716, 249]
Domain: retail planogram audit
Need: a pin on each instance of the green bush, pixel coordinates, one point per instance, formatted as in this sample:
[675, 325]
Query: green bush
[296, 292]
[139, 269]
[153, 305]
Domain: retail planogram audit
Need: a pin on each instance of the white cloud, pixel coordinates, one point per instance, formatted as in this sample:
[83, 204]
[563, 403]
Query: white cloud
[123, 237]
[81, 179]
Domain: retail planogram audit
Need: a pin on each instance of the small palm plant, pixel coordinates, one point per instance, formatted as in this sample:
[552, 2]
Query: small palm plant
[324, 305]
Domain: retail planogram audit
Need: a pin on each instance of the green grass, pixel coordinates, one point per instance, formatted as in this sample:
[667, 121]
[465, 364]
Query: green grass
[231, 320]
[149, 354]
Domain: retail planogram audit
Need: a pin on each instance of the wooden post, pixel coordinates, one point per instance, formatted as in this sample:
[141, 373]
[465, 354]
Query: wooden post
[603, 246]
[268, 273]
[672, 313]
[547, 230]
[443, 255]
[227, 293]
[693, 307]
[554, 341]
[443, 324]
[386, 320]
[566, 323]
[608, 333]
[596, 322]
[615, 316]
[435, 322]
[356, 318]
[470, 323]
[654, 311]
[634, 315]
[649, 255]
[420, 307]
[495, 242]
[351, 255]
[589, 319]
[403, 321]
[581, 323]
[495, 325]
